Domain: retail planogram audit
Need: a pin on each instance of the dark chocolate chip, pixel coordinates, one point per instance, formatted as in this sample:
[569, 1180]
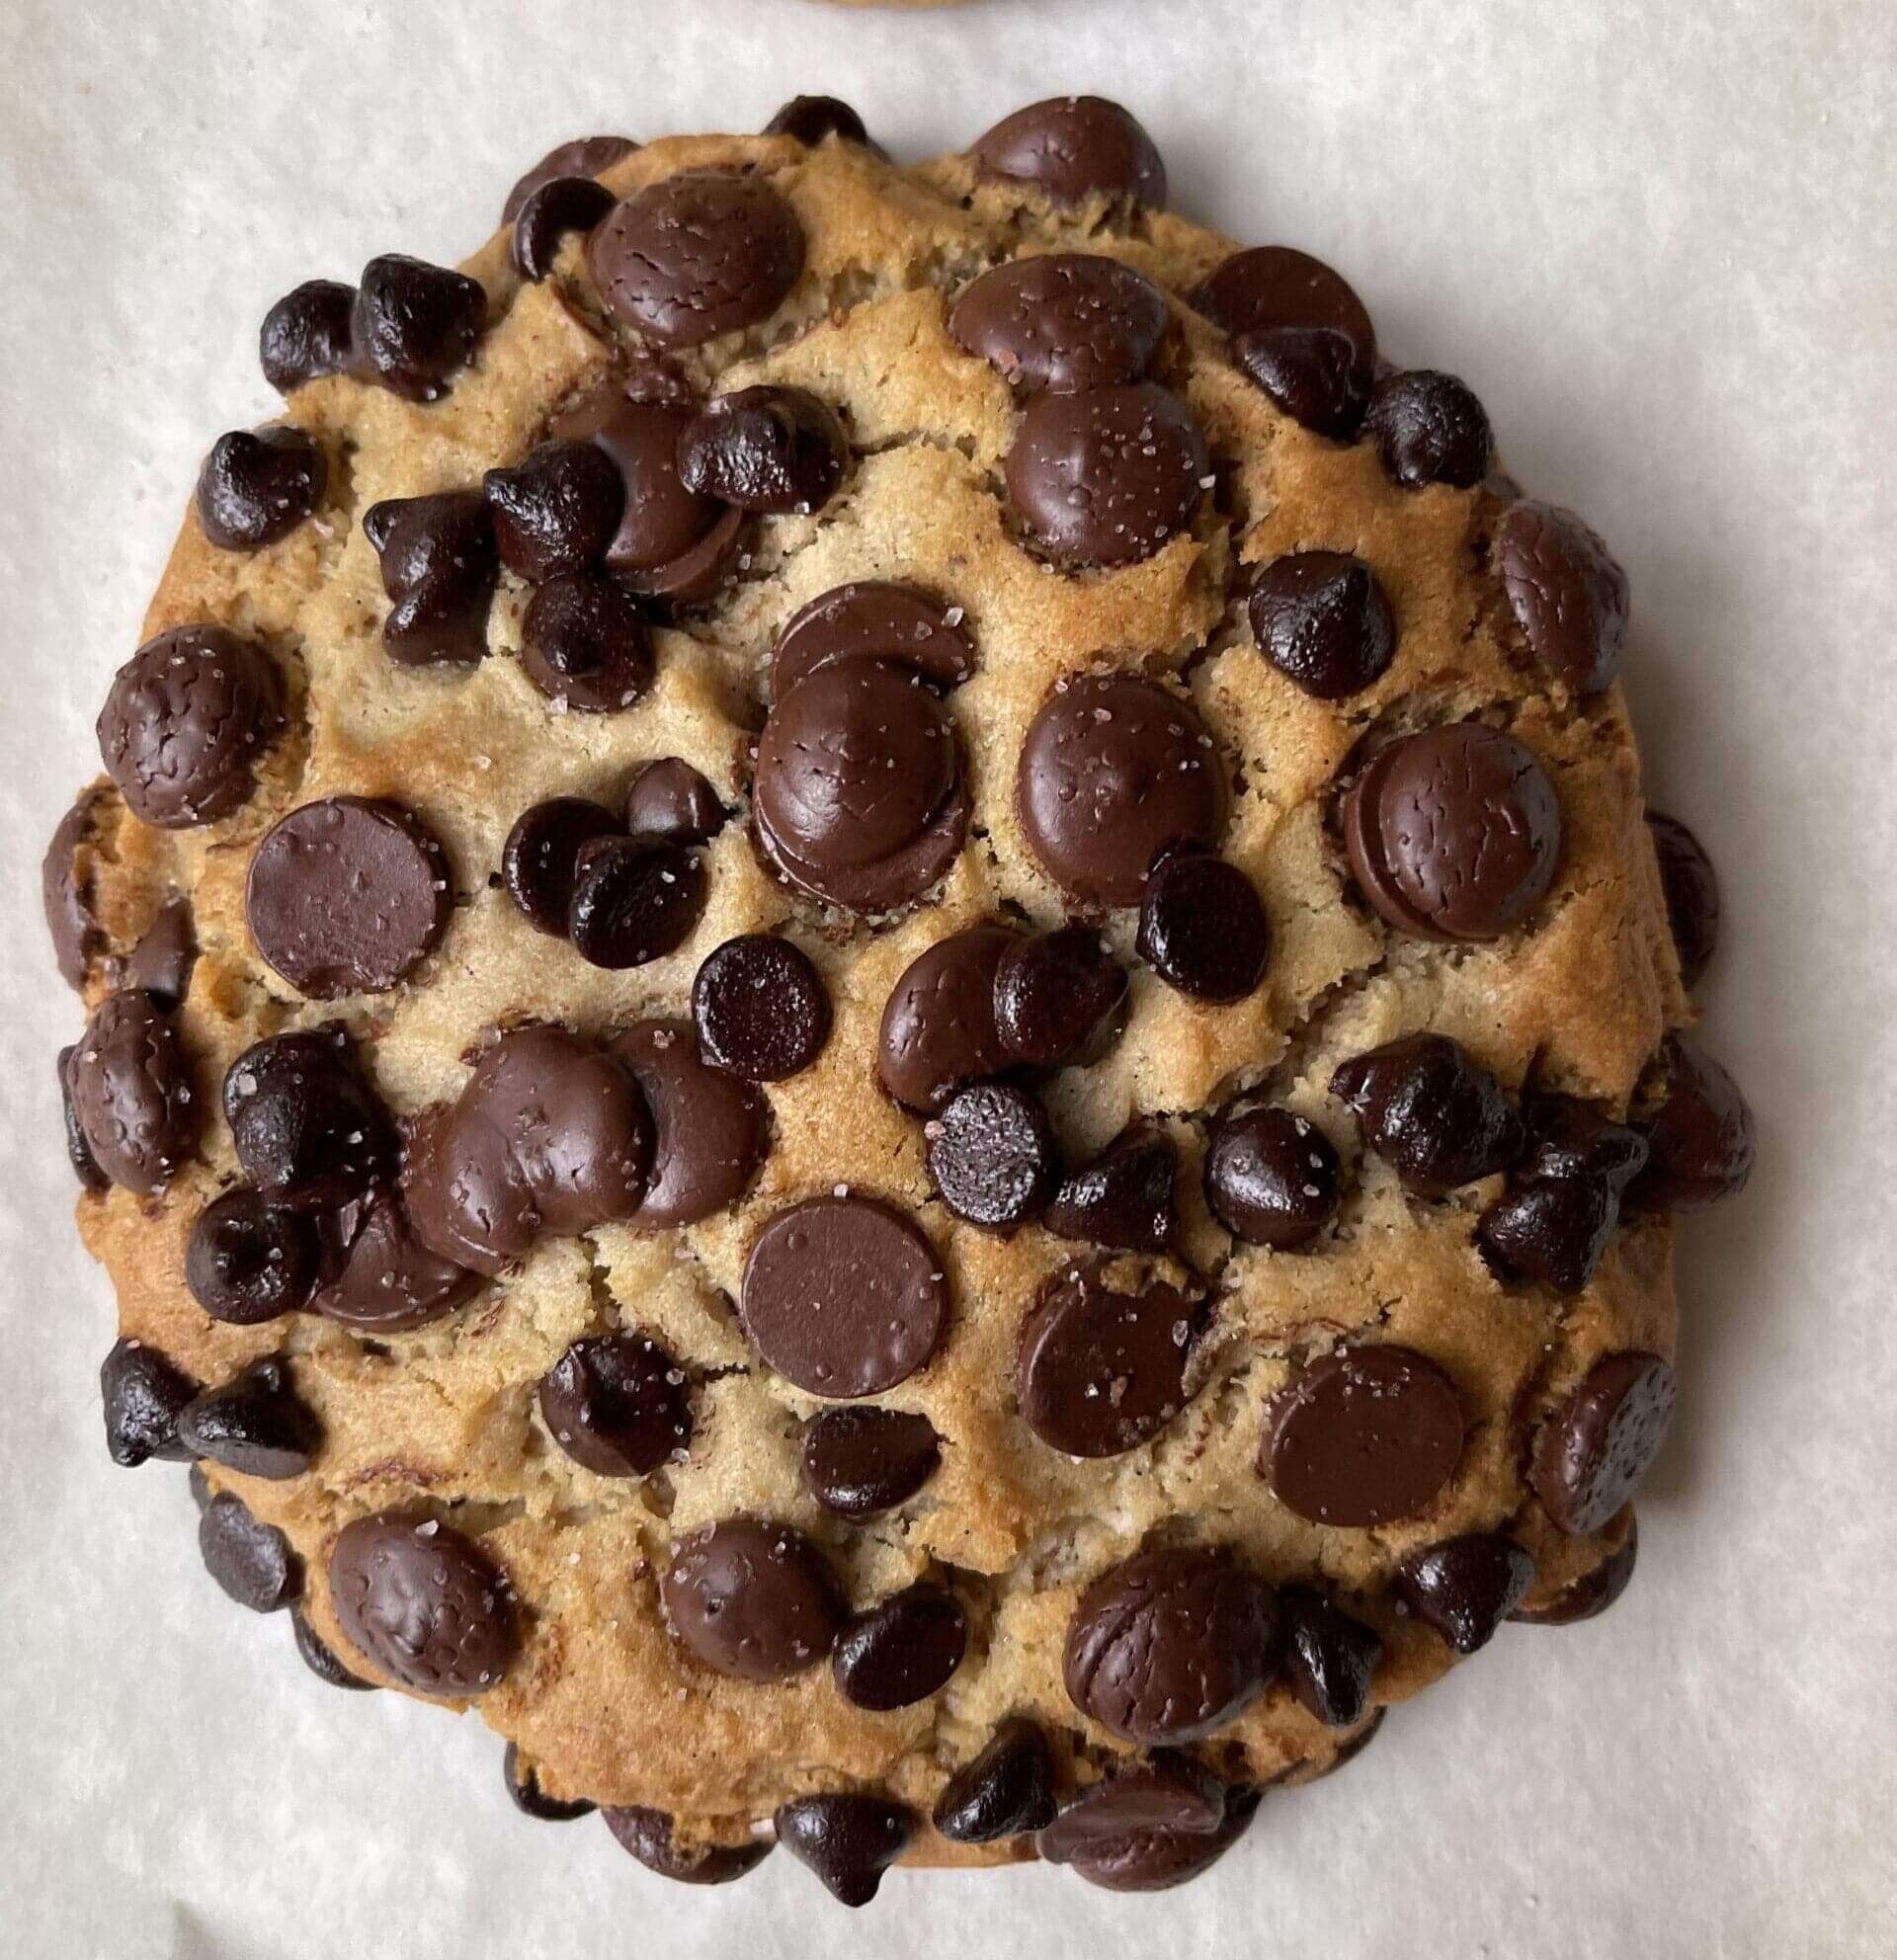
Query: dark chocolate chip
[85, 1166]
[1330, 1658]
[1311, 373]
[1271, 289]
[1272, 1179]
[858, 1462]
[1126, 1199]
[305, 335]
[1062, 321]
[1167, 1796]
[255, 1424]
[1567, 593]
[1429, 428]
[320, 1657]
[258, 485]
[1465, 1587]
[161, 962]
[524, 1786]
[540, 859]
[553, 210]
[770, 449]
[1056, 994]
[647, 1835]
[1592, 1594]
[378, 1277]
[617, 1404]
[711, 1128]
[143, 1395]
[670, 802]
[1592, 1452]
[413, 325]
[1568, 1138]
[251, 1561]
[938, 1029]
[1436, 1118]
[992, 1156]
[583, 156]
[761, 1008]
[1692, 890]
[304, 1119]
[584, 644]
[1202, 927]
[1073, 147]
[1158, 1860]
[752, 1598]
[556, 511]
[900, 1651]
[1002, 1792]
[423, 1602]
[878, 620]
[810, 119]
[66, 891]
[248, 1260]
[1700, 1141]
[847, 1840]
[1321, 618]
[634, 901]
[438, 570]
[1551, 1232]
[131, 1092]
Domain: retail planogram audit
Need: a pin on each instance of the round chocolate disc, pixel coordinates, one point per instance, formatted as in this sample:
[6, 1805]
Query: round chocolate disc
[1593, 1451]
[1072, 147]
[1062, 321]
[752, 1598]
[876, 620]
[938, 1031]
[423, 1602]
[711, 1129]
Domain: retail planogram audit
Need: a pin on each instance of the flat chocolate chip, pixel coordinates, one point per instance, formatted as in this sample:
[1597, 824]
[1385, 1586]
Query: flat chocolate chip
[556, 511]
[131, 1092]
[1126, 1199]
[85, 1166]
[1330, 1658]
[584, 644]
[413, 324]
[184, 724]
[1429, 429]
[1362, 1435]
[66, 891]
[1465, 1587]
[251, 1561]
[1692, 890]
[584, 157]
[1436, 1118]
[1062, 321]
[423, 1602]
[1004, 1791]
[1170, 1646]
[1453, 834]
[1114, 767]
[1568, 595]
[711, 1128]
[810, 119]
[939, 1028]
[992, 1156]
[320, 1657]
[695, 256]
[305, 335]
[761, 1008]
[255, 1424]
[1700, 1141]
[347, 896]
[617, 1404]
[1592, 1452]
[1107, 476]
[1202, 927]
[901, 1651]
[161, 962]
[248, 1261]
[844, 1296]
[847, 1840]
[524, 1786]
[540, 859]
[1167, 1796]
[304, 1119]
[1056, 994]
[1073, 147]
[878, 620]
[1158, 1860]
[1321, 618]
[1272, 1179]
[1592, 1594]
[438, 570]
[552, 211]
[752, 1598]
[634, 901]
[378, 1277]
[770, 449]
[670, 802]
[1101, 1371]
[647, 1835]
[258, 485]
[143, 1395]
[859, 1462]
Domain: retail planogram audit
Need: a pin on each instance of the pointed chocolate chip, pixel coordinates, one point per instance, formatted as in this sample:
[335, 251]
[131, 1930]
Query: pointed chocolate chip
[1126, 1198]
[617, 1404]
[1322, 620]
[847, 1840]
[305, 335]
[1055, 995]
[1005, 1790]
[1700, 1141]
[901, 1651]
[1465, 1587]
[584, 644]
[1429, 428]
[255, 1424]
[143, 1394]
[438, 568]
[670, 802]
[1549, 1233]
[770, 449]
[1271, 1177]
[1566, 591]
[304, 1119]
[258, 485]
[1434, 1116]
[812, 118]
[413, 324]
[251, 1561]
[1073, 147]
[556, 511]
[858, 1462]
[165, 955]
[1330, 1657]
[752, 1598]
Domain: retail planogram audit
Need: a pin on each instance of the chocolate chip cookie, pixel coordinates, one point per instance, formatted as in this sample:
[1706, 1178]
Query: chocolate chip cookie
[879, 1018]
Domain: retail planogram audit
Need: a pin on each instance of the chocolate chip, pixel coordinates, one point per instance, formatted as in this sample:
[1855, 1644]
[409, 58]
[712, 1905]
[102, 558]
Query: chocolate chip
[647, 1835]
[901, 1651]
[1158, 1860]
[770, 449]
[304, 1119]
[858, 1462]
[1321, 618]
[161, 962]
[1299, 332]
[992, 1156]
[413, 324]
[752, 1598]
[1330, 1658]
[1592, 1452]
[539, 860]
[184, 724]
[552, 211]
[251, 1561]
[305, 335]
[939, 1028]
[584, 644]
[634, 901]
[617, 1404]
[1592, 1594]
[1551, 1232]
[255, 1424]
[1429, 429]
[761, 1008]
[66, 891]
[548, 1136]
[524, 1786]
[1073, 147]
[844, 1296]
[1126, 1198]
[1114, 767]
[847, 1840]
[1002, 1792]
[809, 118]
[1056, 994]
[1569, 1139]
[711, 1128]
[1465, 1587]
[670, 802]
[321, 1658]
[85, 1166]
[1101, 1371]
[556, 511]
[423, 1602]
[1272, 1179]
[1062, 321]
[347, 896]
[131, 1092]
[695, 256]
[1169, 1796]
[378, 1277]
[1362, 1435]
[248, 1261]
[439, 571]
[1700, 1141]
[1202, 927]
[583, 156]
[1692, 890]
[1436, 1118]
[1170, 1646]
[1453, 834]
[879, 620]
[1107, 476]
[1311, 373]
[1567, 594]
[143, 1395]
[258, 485]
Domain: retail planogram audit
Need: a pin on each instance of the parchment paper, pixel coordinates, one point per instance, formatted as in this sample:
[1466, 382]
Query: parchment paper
[1658, 240]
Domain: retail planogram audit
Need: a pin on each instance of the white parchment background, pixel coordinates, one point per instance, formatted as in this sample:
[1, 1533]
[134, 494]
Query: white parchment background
[1658, 239]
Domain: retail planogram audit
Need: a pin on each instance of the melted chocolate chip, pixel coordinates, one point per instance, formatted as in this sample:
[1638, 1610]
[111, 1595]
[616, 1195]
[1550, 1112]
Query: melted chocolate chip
[992, 1156]
[847, 1840]
[1330, 1658]
[131, 1092]
[1145, 1827]
[553, 210]
[1700, 1141]
[378, 1277]
[161, 962]
[1692, 890]
[859, 1462]
[248, 1261]
[584, 644]
[426, 1605]
[305, 335]
[1126, 1199]
[878, 620]
[1158, 1860]
[711, 1128]
[583, 156]
[1299, 332]
[648, 1836]
[258, 485]
[556, 511]
[85, 1166]
[938, 1029]
[304, 1119]
[320, 1657]
[668, 801]
[1056, 994]
[1429, 429]
[811, 118]
[634, 901]
[541, 859]
[1436, 1118]
[1465, 1587]
[1593, 1451]
[1321, 618]
[66, 892]
[1002, 1792]
[253, 1562]
[901, 1651]
[413, 325]
[1311, 373]
[1592, 1594]
[761, 1008]
[524, 1786]
[752, 1598]
[255, 1424]
[1202, 927]
[617, 1404]
[1568, 595]
[770, 449]
[1062, 321]
[1073, 147]
[1272, 1179]
[143, 1394]
[440, 572]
